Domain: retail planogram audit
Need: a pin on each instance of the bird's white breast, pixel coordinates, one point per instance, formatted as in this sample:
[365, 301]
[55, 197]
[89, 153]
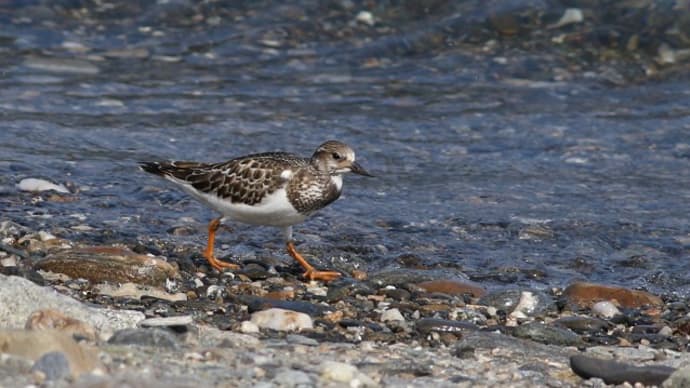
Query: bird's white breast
[273, 210]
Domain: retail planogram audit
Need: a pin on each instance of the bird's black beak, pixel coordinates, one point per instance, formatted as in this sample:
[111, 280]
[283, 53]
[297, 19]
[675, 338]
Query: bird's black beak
[357, 169]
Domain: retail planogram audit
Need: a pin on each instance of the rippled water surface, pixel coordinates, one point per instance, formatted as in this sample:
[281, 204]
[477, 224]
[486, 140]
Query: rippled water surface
[509, 177]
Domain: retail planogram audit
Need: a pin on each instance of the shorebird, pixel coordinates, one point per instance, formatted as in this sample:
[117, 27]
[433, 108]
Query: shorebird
[273, 189]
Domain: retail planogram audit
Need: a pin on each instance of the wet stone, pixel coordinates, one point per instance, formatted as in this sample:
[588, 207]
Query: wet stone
[144, 337]
[453, 287]
[546, 334]
[109, 264]
[586, 294]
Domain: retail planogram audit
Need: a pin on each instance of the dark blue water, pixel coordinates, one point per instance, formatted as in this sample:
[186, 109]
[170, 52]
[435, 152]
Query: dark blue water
[513, 177]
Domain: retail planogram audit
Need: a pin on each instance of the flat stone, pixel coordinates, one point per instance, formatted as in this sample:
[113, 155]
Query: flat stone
[53, 319]
[144, 337]
[255, 303]
[109, 264]
[181, 320]
[301, 340]
[33, 344]
[453, 287]
[282, 320]
[613, 372]
[137, 291]
[19, 298]
[586, 294]
[583, 325]
[550, 335]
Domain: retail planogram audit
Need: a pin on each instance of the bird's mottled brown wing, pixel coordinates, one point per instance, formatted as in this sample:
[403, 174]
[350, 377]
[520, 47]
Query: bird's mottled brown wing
[243, 180]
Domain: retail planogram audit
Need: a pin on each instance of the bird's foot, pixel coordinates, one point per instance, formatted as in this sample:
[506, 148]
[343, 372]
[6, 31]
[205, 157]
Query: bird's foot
[326, 276]
[221, 265]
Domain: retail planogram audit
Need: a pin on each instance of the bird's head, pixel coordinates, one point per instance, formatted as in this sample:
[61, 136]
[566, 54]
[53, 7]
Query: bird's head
[335, 158]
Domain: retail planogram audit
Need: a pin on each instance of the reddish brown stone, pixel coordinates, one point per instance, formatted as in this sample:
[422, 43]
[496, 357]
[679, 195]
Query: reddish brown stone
[280, 294]
[586, 294]
[109, 264]
[452, 287]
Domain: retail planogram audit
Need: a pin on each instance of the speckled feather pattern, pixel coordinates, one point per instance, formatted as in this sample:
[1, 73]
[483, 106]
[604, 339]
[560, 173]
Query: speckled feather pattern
[249, 179]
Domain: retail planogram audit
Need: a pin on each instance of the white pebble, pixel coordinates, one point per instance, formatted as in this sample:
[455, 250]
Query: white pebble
[392, 315]
[180, 320]
[37, 185]
[341, 372]
[282, 320]
[45, 236]
[365, 17]
[605, 309]
[570, 16]
[249, 327]
[338, 371]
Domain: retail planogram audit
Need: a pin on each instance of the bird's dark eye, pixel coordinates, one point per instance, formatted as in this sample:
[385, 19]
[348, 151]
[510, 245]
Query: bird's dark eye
[336, 156]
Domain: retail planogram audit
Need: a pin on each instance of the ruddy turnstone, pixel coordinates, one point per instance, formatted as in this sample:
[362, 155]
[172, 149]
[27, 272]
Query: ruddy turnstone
[273, 189]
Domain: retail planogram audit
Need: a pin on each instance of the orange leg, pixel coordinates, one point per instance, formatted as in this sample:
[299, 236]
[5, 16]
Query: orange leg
[311, 273]
[208, 253]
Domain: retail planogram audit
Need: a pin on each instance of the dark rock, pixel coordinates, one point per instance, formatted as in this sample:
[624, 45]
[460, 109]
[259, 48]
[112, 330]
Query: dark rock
[397, 294]
[583, 325]
[54, 365]
[546, 334]
[144, 337]
[341, 289]
[613, 372]
[255, 303]
[256, 272]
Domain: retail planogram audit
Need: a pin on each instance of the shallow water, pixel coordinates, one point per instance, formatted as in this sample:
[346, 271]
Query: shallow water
[512, 179]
